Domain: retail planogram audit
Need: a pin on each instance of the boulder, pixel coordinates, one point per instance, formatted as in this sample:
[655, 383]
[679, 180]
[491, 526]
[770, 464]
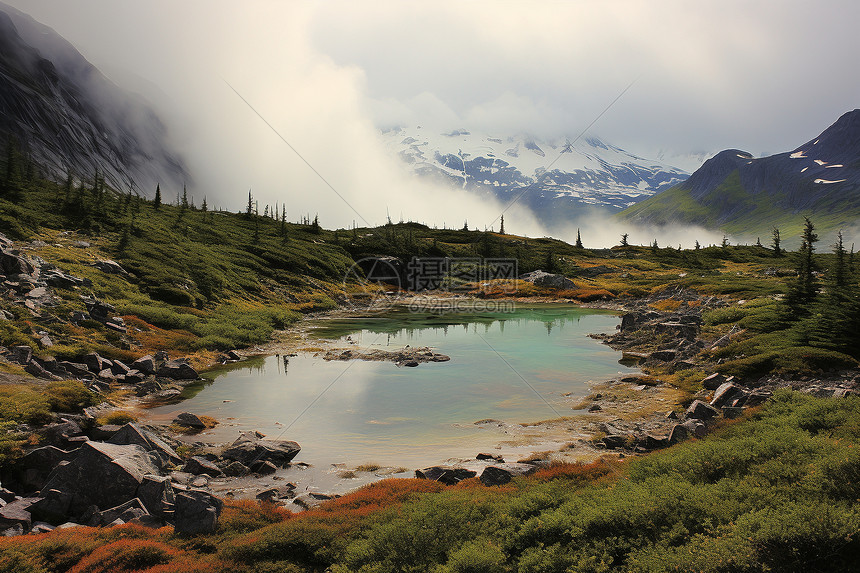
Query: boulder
[99, 311]
[311, 499]
[39, 371]
[156, 494]
[30, 473]
[725, 393]
[58, 434]
[118, 367]
[177, 370]
[131, 509]
[713, 381]
[614, 441]
[189, 420]
[75, 368]
[198, 465]
[282, 492]
[14, 264]
[16, 514]
[103, 474]
[503, 473]
[676, 329]
[145, 364]
[96, 363]
[232, 355]
[53, 507]
[20, 354]
[110, 267]
[544, 279]
[494, 457]
[249, 448]
[663, 355]
[264, 468]
[445, 474]
[699, 410]
[236, 469]
[650, 442]
[132, 433]
[196, 512]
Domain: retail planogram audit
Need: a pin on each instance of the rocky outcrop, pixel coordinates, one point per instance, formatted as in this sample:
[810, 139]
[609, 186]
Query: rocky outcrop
[249, 449]
[503, 473]
[549, 280]
[447, 475]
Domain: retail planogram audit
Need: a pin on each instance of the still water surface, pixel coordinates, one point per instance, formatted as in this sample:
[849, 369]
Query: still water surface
[515, 367]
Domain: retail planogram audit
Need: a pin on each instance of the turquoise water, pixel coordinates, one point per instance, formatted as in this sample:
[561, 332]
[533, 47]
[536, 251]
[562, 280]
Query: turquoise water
[515, 367]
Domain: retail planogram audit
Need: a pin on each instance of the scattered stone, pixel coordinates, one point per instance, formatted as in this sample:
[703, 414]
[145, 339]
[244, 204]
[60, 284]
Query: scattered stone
[726, 392]
[494, 457]
[311, 499]
[196, 512]
[447, 475]
[200, 481]
[131, 509]
[503, 473]
[20, 354]
[264, 468]
[615, 441]
[96, 363]
[198, 465]
[132, 433]
[701, 411]
[545, 279]
[145, 364]
[595, 408]
[713, 381]
[189, 420]
[110, 267]
[75, 368]
[177, 370]
[236, 469]
[249, 448]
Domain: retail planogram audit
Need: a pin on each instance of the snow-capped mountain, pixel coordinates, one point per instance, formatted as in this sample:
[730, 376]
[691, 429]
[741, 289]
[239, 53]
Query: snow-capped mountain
[560, 178]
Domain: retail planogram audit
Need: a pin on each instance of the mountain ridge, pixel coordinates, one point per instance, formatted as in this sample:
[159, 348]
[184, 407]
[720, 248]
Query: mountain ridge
[69, 117]
[745, 195]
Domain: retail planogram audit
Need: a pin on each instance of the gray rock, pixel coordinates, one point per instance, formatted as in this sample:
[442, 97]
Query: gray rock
[13, 264]
[75, 368]
[713, 381]
[701, 411]
[726, 392]
[53, 507]
[189, 420]
[118, 367]
[132, 433]
[614, 441]
[503, 473]
[494, 457]
[177, 370]
[110, 267]
[236, 469]
[249, 448]
[30, 473]
[286, 491]
[20, 354]
[145, 364]
[37, 370]
[311, 499]
[96, 363]
[198, 465]
[544, 279]
[156, 494]
[448, 475]
[102, 474]
[196, 512]
[264, 468]
[17, 513]
[127, 511]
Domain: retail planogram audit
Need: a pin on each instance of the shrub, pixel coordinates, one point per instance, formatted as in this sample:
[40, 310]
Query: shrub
[118, 417]
[69, 396]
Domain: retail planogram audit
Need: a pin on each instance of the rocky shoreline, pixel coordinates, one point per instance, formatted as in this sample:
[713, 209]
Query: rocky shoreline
[86, 473]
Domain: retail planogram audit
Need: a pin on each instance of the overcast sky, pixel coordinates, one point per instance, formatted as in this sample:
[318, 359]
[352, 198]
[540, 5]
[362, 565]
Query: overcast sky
[756, 75]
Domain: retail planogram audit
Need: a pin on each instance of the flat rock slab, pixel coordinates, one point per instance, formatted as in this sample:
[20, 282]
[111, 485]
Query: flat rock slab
[249, 449]
[503, 473]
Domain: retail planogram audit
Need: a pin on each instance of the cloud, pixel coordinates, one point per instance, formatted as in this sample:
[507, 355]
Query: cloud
[326, 76]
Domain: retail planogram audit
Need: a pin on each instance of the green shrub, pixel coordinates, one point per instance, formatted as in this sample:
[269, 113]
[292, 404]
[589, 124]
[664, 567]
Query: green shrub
[69, 396]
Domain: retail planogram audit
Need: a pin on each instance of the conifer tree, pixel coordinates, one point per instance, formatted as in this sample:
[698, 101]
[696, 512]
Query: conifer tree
[624, 239]
[804, 290]
[578, 239]
[250, 209]
[502, 225]
[777, 251]
[157, 202]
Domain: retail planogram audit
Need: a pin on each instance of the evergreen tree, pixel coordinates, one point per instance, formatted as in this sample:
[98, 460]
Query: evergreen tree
[466, 225]
[777, 251]
[624, 239]
[204, 207]
[184, 198]
[836, 324]
[578, 240]
[758, 242]
[725, 242]
[250, 209]
[315, 226]
[697, 246]
[157, 202]
[502, 225]
[804, 290]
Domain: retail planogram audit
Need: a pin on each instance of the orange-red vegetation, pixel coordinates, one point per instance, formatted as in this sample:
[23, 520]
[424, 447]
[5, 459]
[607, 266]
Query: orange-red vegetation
[579, 472]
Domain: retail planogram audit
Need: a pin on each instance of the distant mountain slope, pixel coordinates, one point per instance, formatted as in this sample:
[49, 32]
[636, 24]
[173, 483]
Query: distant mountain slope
[587, 174]
[748, 196]
[68, 116]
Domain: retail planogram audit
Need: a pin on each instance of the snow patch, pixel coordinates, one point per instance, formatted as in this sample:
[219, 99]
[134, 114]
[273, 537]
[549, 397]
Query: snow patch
[834, 165]
[804, 169]
[797, 155]
[827, 181]
[818, 161]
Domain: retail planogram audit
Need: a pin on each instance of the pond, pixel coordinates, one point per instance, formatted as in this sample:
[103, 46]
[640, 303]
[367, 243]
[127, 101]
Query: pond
[523, 366]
